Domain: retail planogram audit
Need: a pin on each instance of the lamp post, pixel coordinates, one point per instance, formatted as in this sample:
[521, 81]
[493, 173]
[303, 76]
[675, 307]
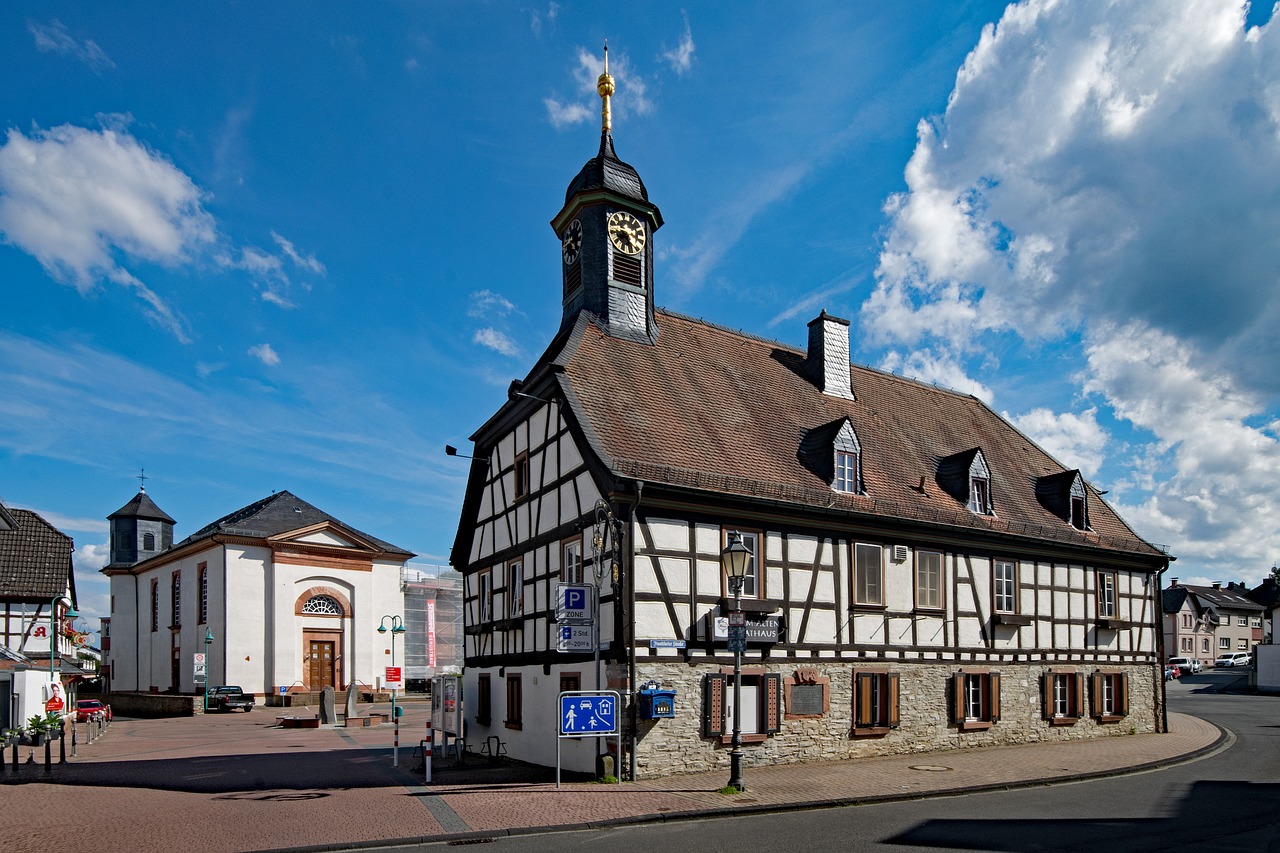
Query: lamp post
[53, 635]
[208, 641]
[734, 560]
[397, 627]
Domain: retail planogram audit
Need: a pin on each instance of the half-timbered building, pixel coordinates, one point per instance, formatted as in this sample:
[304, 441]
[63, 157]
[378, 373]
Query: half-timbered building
[922, 576]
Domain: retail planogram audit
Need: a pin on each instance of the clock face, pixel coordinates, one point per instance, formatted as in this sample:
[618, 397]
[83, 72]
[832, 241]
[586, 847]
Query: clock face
[571, 243]
[626, 233]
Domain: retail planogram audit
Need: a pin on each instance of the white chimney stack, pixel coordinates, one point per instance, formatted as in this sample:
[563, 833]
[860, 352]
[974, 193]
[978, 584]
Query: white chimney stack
[828, 360]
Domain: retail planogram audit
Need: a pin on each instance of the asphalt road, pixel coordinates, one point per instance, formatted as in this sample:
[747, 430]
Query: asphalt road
[1227, 801]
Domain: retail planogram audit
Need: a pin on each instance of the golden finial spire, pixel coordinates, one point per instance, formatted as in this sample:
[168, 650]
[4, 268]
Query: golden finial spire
[606, 89]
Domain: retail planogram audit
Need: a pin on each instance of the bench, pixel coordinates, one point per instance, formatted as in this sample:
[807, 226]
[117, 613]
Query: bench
[298, 722]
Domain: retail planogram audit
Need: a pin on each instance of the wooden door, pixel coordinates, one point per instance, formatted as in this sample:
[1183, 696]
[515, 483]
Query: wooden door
[321, 665]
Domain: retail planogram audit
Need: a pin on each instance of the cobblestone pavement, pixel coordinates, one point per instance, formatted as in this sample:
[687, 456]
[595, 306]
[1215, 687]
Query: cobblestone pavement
[239, 782]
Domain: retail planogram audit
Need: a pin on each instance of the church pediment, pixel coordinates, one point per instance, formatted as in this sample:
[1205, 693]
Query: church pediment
[323, 535]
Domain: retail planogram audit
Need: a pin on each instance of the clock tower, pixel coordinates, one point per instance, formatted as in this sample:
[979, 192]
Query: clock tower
[606, 238]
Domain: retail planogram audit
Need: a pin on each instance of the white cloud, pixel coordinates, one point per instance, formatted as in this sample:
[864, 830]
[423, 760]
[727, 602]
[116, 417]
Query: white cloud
[68, 524]
[1213, 495]
[630, 96]
[496, 341]
[937, 369]
[680, 57]
[53, 37]
[77, 200]
[539, 19]
[1077, 441]
[265, 354]
[486, 303]
[94, 205]
[1106, 172]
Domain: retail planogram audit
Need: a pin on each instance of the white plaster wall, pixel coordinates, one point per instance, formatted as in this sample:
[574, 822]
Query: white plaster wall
[668, 534]
[244, 635]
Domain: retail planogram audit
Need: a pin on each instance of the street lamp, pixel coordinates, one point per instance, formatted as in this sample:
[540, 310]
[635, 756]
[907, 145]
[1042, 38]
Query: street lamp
[734, 560]
[397, 627]
[208, 641]
[53, 634]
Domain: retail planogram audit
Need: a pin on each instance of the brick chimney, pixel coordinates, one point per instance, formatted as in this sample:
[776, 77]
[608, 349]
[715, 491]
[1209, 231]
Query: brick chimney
[1217, 584]
[828, 359]
[1173, 583]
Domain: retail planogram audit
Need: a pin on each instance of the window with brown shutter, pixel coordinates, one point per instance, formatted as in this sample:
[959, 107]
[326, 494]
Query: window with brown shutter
[1062, 697]
[1109, 696]
[875, 703]
[975, 699]
[760, 720]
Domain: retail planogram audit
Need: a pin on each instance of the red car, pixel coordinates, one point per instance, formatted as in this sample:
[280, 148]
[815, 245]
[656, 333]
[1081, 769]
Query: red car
[89, 708]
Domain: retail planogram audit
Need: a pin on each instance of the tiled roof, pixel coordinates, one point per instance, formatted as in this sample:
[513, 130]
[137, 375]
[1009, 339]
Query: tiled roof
[1222, 599]
[35, 558]
[278, 513]
[721, 411]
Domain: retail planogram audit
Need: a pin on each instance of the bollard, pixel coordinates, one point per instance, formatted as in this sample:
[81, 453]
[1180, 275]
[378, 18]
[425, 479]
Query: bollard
[426, 754]
[62, 747]
[48, 754]
[15, 756]
[74, 731]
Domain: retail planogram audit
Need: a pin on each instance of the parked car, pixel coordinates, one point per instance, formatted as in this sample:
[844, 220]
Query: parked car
[227, 697]
[1234, 659]
[88, 709]
[1171, 672]
[1187, 665]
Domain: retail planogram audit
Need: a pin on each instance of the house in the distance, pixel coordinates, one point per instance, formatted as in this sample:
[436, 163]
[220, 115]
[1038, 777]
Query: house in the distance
[37, 589]
[280, 595]
[921, 574]
[1206, 622]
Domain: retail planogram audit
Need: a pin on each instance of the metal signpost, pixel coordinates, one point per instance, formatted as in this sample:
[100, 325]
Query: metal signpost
[588, 713]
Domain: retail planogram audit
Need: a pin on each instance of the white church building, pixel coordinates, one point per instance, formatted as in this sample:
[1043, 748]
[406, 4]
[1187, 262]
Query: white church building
[277, 596]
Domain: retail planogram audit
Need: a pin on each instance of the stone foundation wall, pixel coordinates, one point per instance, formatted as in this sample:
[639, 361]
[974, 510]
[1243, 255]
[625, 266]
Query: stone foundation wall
[676, 745]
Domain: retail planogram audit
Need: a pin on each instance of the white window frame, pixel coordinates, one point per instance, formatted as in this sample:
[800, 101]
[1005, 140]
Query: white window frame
[515, 588]
[846, 472]
[1006, 600]
[930, 595]
[486, 595]
[980, 495]
[861, 587]
[572, 567]
[1106, 593]
[1224, 644]
[753, 583]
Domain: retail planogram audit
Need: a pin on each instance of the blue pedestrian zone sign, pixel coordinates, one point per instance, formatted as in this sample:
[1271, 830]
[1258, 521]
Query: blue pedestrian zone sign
[588, 714]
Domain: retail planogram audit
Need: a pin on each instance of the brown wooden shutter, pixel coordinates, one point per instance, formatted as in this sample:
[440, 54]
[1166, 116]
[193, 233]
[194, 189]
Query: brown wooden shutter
[1122, 694]
[1046, 695]
[891, 682]
[1095, 694]
[1077, 695]
[713, 705]
[957, 699]
[772, 703]
[861, 699]
[993, 683]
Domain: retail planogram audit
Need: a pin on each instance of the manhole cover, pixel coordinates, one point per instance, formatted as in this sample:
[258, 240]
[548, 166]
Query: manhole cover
[930, 768]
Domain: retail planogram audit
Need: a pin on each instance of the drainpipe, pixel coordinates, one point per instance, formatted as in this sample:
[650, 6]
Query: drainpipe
[631, 622]
[1163, 721]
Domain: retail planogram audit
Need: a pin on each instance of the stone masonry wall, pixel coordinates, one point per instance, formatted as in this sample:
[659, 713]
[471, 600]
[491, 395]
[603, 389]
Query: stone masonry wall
[676, 745]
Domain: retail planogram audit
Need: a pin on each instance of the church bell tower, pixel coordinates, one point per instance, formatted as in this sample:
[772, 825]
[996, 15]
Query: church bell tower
[606, 237]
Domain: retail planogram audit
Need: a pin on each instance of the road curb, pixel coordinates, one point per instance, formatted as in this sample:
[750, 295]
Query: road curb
[1224, 737]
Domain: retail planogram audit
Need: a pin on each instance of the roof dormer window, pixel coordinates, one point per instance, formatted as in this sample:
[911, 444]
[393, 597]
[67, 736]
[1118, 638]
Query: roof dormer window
[980, 495]
[1079, 516]
[979, 485]
[846, 471]
[833, 452]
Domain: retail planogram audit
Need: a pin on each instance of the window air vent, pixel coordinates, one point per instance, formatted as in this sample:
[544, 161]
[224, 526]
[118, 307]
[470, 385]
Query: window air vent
[627, 270]
[899, 553]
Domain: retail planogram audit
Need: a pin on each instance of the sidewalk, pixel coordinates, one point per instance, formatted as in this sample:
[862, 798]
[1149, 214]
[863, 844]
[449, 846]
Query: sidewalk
[236, 782]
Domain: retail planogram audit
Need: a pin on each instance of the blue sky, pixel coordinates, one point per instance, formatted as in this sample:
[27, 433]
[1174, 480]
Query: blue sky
[255, 247]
